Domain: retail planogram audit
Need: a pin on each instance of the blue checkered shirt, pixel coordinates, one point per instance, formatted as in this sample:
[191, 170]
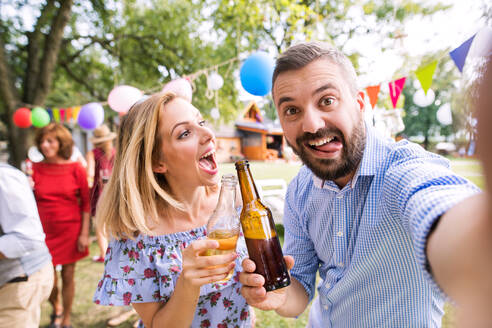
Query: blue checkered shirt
[368, 239]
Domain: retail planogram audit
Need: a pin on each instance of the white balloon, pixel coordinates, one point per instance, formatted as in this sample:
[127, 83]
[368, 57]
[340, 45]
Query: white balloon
[181, 87]
[215, 81]
[122, 97]
[423, 100]
[215, 113]
[34, 154]
[482, 43]
[444, 115]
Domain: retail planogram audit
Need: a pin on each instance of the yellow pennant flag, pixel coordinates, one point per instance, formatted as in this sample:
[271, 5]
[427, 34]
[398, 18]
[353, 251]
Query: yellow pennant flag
[425, 74]
[56, 114]
[75, 112]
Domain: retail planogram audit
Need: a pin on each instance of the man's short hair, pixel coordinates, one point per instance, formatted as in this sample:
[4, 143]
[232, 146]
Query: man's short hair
[302, 54]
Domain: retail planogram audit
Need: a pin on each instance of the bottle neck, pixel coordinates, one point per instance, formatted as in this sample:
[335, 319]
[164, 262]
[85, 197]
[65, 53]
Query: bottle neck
[249, 192]
[227, 197]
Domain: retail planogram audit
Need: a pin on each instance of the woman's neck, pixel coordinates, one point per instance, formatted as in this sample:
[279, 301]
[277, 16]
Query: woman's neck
[55, 160]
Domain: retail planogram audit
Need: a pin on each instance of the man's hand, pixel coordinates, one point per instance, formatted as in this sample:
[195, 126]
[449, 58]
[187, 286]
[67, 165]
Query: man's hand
[254, 292]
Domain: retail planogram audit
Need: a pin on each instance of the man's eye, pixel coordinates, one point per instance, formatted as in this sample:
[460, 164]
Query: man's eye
[289, 111]
[327, 101]
[184, 134]
[202, 123]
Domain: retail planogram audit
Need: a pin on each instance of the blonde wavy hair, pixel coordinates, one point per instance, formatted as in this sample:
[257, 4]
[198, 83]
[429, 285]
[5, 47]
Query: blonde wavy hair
[135, 197]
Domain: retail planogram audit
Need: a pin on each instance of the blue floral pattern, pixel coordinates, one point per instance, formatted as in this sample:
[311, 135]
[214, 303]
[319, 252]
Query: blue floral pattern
[146, 270]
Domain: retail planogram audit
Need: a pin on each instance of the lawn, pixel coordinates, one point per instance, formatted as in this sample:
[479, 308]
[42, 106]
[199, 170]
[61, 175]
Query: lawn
[87, 314]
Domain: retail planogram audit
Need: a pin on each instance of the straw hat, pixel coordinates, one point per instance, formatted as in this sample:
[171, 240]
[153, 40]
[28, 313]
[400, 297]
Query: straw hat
[101, 134]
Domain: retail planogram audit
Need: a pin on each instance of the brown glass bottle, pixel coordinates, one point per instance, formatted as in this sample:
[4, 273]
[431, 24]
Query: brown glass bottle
[260, 234]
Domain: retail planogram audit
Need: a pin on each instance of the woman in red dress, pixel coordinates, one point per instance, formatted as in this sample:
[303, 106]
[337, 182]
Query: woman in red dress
[62, 196]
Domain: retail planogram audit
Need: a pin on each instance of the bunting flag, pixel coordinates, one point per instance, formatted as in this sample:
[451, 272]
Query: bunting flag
[50, 112]
[68, 113]
[56, 114]
[396, 88]
[75, 112]
[373, 92]
[459, 54]
[62, 114]
[425, 74]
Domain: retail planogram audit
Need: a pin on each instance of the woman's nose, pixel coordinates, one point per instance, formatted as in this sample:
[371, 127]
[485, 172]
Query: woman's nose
[207, 135]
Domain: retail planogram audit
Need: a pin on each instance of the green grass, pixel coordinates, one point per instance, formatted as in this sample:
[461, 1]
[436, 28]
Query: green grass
[87, 314]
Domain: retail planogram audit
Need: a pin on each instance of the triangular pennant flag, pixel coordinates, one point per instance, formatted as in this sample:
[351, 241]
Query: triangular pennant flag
[50, 112]
[395, 88]
[68, 113]
[62, 114]
[75, 112]
[56, 114]
[425, 74]
[372, 92]
[459, 54]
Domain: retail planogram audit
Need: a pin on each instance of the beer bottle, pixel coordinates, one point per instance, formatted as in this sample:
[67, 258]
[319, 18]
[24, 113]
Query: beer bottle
[223, 224]
[260, 234]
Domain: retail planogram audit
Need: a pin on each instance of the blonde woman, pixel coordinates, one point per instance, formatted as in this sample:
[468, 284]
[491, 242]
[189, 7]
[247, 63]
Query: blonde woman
[155, 208]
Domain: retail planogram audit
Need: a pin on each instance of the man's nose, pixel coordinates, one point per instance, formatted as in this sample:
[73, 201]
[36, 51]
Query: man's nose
[312, 120]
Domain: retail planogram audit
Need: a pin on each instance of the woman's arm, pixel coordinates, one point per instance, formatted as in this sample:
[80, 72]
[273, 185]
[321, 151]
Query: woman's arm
[83, 240]
[91, 165]
[197, 271]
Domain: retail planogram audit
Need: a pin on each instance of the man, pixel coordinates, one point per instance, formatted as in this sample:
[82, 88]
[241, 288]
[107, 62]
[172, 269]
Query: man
[26, 272]
[370, 216]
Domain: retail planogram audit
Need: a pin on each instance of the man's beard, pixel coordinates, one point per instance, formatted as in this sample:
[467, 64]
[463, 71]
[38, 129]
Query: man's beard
[333, 169]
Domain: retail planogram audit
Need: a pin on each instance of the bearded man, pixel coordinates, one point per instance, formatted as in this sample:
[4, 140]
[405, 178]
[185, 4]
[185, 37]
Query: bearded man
[378, 220]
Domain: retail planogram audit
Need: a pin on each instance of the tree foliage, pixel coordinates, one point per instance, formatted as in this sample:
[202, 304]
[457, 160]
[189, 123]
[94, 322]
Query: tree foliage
[77, 52]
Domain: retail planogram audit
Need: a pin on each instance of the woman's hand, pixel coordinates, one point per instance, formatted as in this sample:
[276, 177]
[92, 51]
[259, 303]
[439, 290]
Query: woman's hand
[82, 242]
[199, 270]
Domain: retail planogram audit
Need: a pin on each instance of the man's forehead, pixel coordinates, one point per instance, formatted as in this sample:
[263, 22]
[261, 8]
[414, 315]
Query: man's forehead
[313, 75]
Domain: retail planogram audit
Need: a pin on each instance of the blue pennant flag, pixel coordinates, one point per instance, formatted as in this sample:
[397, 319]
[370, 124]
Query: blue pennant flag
[459, 54]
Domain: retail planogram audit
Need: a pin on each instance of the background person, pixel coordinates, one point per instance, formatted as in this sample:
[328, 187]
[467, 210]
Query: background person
[26, 272]
[378, 220]
[62, 196]
[100, 162]
[155, 207]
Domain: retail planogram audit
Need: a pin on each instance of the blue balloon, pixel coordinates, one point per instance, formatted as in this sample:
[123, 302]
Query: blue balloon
[256, 73]
[91, 115]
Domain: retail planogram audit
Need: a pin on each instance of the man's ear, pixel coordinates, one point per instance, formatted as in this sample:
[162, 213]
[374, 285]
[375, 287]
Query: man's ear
[159, 168]
[361, 100]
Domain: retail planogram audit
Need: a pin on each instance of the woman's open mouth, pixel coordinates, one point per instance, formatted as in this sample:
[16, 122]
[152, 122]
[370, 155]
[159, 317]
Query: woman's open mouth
[208, 163]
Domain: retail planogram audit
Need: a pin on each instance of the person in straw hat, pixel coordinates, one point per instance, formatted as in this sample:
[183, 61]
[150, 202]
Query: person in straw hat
[99, 167]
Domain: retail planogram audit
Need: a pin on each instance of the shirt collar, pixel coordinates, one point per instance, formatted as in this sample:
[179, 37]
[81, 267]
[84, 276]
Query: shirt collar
[373, 154]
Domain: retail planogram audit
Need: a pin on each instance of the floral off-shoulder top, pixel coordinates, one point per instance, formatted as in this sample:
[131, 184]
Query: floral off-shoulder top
[146, 270]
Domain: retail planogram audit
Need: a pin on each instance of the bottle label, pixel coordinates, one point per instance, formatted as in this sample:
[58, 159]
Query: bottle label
[257, 226]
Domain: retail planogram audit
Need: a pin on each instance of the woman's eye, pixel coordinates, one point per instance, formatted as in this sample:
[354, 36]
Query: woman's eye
[327, 101]
[184, 134]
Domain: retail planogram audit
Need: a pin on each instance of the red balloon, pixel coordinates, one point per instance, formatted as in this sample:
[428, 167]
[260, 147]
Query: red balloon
[22, 117]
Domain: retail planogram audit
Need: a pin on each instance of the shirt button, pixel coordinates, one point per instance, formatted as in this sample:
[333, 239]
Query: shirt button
[339, 234]
[326, 307]
[328, 285]
[340, 264]
[339, 196]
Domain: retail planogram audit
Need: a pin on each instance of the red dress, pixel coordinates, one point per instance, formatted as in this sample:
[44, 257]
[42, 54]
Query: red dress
[62, 194]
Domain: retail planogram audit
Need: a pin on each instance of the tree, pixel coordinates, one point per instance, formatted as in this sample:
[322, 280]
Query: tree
[76, 53]
[39, 57]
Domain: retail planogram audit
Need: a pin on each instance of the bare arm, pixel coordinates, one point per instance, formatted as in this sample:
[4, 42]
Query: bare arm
[91, 164]
[83, 240]
[288, 302]
[460, 248]
[460, 255]
[180, 309]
